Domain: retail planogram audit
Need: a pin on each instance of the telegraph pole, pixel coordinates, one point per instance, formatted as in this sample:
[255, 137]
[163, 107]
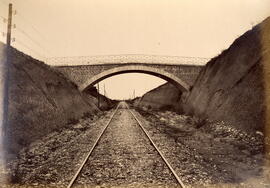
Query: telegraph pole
[5, 71]
[104, 91]
[9, 24]
[98, 95]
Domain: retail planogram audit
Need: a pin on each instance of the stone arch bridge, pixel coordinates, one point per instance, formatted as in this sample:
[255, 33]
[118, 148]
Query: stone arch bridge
[87, 71]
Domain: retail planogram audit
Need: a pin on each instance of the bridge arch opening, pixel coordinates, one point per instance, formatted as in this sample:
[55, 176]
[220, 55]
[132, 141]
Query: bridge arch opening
[180, 84]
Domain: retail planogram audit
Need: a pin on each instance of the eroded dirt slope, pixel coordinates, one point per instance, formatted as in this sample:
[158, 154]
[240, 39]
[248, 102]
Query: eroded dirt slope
[41, 100]
[231, 86]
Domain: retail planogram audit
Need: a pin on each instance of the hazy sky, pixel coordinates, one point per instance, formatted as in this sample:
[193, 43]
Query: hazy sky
[53, 28]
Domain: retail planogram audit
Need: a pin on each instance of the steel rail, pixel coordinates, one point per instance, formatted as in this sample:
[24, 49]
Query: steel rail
[160, 153]
[91, 150]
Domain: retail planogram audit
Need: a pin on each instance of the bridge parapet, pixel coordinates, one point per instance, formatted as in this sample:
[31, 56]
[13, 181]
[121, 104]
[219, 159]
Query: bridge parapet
[127, 58]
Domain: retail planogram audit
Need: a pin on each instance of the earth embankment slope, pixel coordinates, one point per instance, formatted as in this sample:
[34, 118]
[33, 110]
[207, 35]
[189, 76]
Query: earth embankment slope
[164, 97]
[101, 101]
[41, 100]
[231, 86]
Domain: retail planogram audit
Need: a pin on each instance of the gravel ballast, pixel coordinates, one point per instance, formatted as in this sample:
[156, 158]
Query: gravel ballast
[125, 157]
[208, 154]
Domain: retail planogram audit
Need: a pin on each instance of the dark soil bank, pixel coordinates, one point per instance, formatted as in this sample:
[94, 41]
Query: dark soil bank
[231, 86]
[41, 100]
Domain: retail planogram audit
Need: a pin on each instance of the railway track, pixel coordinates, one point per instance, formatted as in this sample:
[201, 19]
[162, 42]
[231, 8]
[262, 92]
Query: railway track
[83, 164]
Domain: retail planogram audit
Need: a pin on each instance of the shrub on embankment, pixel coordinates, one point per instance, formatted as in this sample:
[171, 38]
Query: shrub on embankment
[231, 86]
[41, 100]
